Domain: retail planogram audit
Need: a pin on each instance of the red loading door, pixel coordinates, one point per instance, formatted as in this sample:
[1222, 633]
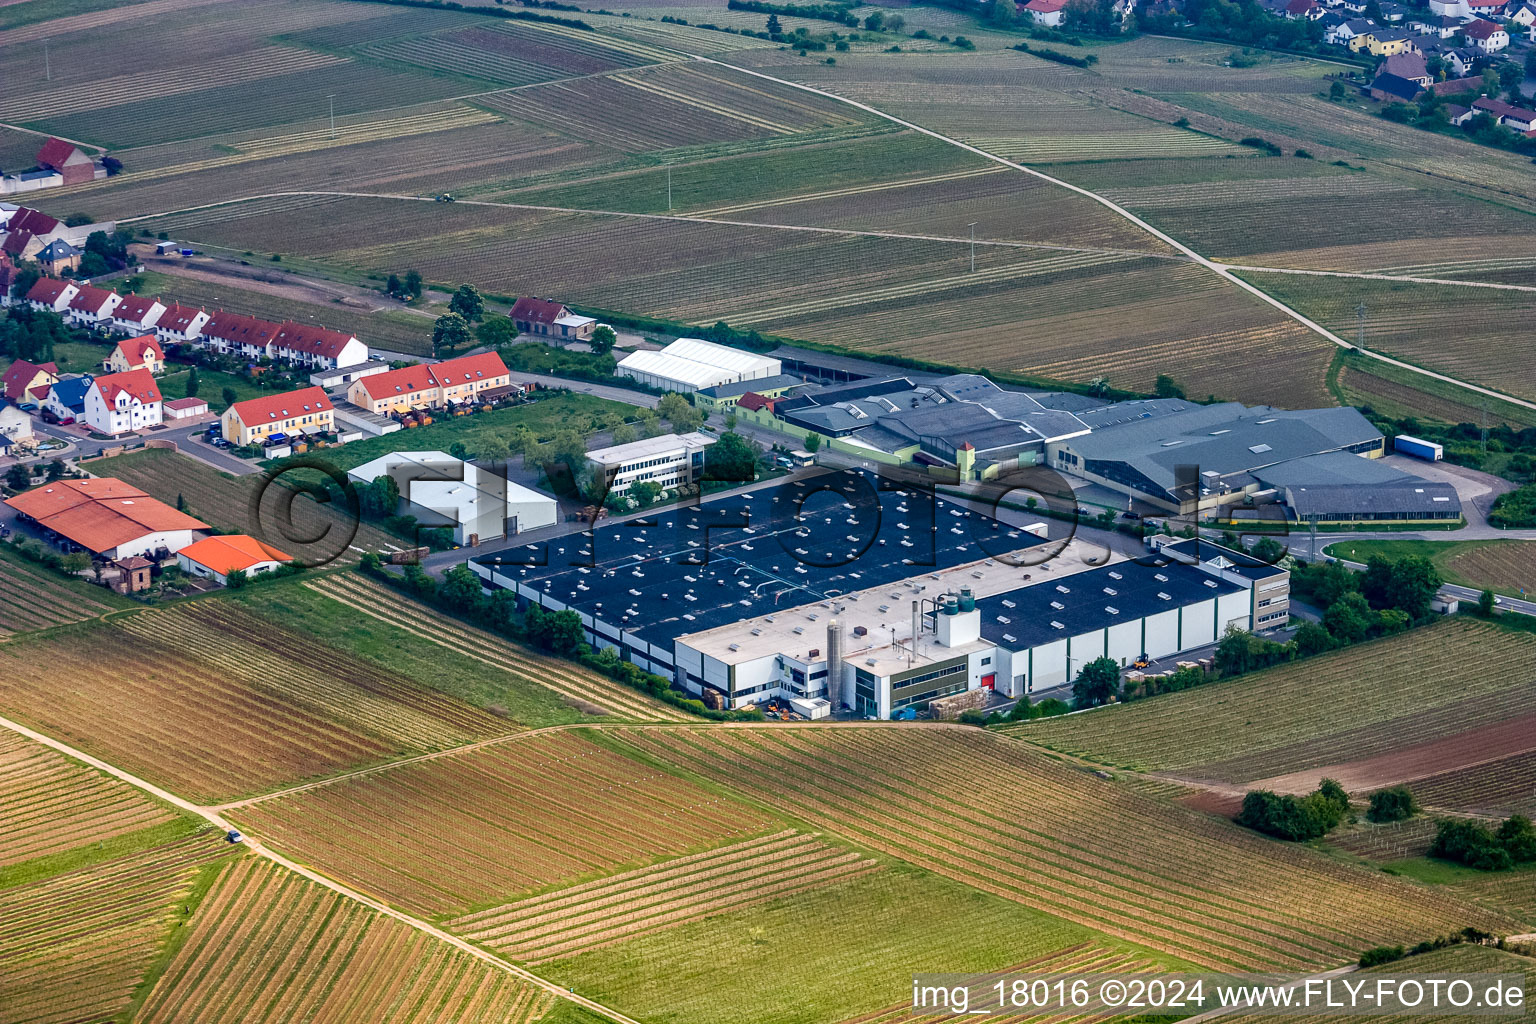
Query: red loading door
[989, 680]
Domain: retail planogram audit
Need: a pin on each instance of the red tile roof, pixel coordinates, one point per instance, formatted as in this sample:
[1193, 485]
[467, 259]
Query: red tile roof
[752, 401]
[100, 514]
[56, 153]
[318, 341]
[1481, 30]
[16, 242]
[224, 554]
[241, 330]
[138, 384]
[136, 349]
[404, 381]
[91, 299]
[465, 369]
[1045, 6]
[134, 308]
[185, 403]
[304, 401]
[20, 374]
[543, 311]
[47, 290]
[177, 318]
[34, 221]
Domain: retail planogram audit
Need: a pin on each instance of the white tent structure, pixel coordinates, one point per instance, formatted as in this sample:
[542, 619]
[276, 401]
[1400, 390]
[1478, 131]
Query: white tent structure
[690, 364]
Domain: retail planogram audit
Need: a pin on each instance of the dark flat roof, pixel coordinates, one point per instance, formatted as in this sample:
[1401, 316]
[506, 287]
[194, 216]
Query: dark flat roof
[645, 575]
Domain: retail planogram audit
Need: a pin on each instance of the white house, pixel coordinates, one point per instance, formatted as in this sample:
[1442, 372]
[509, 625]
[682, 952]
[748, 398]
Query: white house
[1487, 36]
[51, 294]
[1044, 12]
[477, 503]
[317, 347]
[120, 403]
[15, 425]
[137, 314]
[181, 324]
[66, 398]
[217, 556]
[92, 306]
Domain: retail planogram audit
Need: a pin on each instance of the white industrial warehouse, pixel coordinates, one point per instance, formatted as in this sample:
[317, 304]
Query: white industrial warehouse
[477, 504]
[689, 364]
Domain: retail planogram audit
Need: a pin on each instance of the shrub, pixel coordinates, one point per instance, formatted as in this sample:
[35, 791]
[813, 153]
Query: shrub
[1293, 819]
[1381, 955]
[1395, 803]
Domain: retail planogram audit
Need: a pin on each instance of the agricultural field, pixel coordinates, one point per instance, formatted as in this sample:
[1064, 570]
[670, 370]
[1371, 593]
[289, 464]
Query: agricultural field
[317, 532]
[51, 804]
[268, 945]
[1503, 785]
[1371, 714]
[1218, 896]
[364, 617]
[1400, 394]
[32, 597]
[612, 910]
[75, 946]
[470, 830]
[728, 968]
[1503, 566]
[216, 703]
[1509, 891]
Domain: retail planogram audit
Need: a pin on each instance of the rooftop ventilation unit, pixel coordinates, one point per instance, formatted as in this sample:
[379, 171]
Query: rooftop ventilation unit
[734, 647]
[1112, 609]
[1160, 578]
[1063, 590]
[1116, 576]
[1057, 625]
[1057, 605]
[799, 631]
[1009, 604]
[757, 631]
[1111, 591]
[1161, 596]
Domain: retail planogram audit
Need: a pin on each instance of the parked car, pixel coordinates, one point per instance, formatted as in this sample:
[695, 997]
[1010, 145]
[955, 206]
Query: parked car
[234, 836]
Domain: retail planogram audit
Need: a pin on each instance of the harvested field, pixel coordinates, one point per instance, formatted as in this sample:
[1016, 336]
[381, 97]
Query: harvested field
[217, 703]
[567, 922]
[1327, 710]
[225, 501]
[35, 598]
[449, 834]
[51, 804]
[460, 640]
[73, 947]
[268, 945]
[1220, 896]
[1503, 785]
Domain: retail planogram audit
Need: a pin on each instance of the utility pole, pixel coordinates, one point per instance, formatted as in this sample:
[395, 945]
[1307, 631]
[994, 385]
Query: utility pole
[669, 188]
[972, 226]
[1484, 425]
[332, 98]
[1360, 316]
[47, 64]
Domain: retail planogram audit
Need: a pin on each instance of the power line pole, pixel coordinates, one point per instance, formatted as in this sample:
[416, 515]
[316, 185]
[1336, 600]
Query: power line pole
[47, 63]
[972, 226]
[669, 188]
[1360, 316]
[332, 98]
[1484, 425]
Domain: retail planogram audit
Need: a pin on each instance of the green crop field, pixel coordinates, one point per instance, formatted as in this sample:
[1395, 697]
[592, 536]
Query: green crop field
[1367, 701]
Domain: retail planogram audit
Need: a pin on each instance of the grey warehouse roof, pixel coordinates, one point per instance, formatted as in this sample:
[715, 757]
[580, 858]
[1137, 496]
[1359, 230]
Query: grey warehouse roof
[1425, 497]
[741, 387]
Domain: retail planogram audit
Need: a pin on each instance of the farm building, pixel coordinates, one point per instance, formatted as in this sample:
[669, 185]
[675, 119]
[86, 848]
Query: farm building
[107, 517]
[1336, 488]
[689, 364]
[26, 383]
[66, 397]
[287, 415]
[832, 579]
[25, 232]
[71, 162]
[547, 318]
[120, 403]
[216, 557]
[667, 460]
[476, 503]
[142, 353]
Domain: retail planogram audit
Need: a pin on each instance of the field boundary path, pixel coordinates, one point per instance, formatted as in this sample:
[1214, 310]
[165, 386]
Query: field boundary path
[1221, 270]
[211, 815]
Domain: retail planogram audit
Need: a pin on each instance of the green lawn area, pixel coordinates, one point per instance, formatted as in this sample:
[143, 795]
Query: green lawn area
[544, 416]
[74, 357]
[211, 385]
[821, 955]
[291, 604]
[1504, 566]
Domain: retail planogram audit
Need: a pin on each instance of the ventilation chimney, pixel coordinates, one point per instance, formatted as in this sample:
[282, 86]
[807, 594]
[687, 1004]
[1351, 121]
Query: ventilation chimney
[835, 663]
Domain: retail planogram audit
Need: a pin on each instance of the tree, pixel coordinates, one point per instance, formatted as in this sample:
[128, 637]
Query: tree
[1336, 91]
[1167, 387]
[449, 333]
[467, 303]
[1349, 619]
[645, 491]
[774, 28]
[236, 578]
[1485, 604]
[812, 442]
[1415, 582]
[679, 412]
[1097, 682]
[75, 563]
[112, 165]
[458, 450]
[1268, 550]
[875, 22]
[1518, 838]
[26, 277]
[460, 589]
[1312, 639]
[194, 381]
[495, 450]
[393, 288]
[568, 446]
[731, 458]
[623, 434]
[56, 469]
[603, 340]
[1395, 803]
[18, 477]
[181, 502]
[496, 331]
[93, 264]
[412, 285]
[228, 395]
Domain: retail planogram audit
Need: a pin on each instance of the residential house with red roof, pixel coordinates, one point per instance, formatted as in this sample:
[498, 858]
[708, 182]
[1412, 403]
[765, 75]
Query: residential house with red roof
[216, 557]
[1514, 118]
[239, 335]
[137, 314]
[292, 413]
[141, 353]
[317, 347]
[1043, 12]
[92, 306]
[52, 294]
[27, 383]
[181, 324]
[432, 386]
[107, 517]
[1487, 36]
[550, 319]
[121, 403]
[71, 162]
